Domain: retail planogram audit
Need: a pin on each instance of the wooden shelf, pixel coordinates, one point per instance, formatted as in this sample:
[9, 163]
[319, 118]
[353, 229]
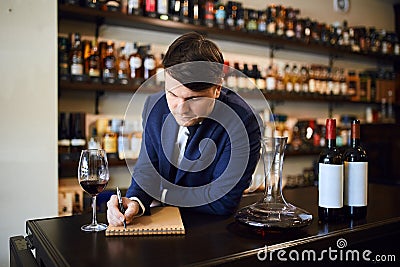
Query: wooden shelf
[65, 85]
[132, 87]
[99, 17]
[68, 164]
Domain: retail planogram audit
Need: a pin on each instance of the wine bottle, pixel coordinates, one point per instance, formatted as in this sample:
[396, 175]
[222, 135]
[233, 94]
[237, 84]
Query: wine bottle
[355, 176]
[330, 178]
[150, 8]
[135, 7]
[149, 63]
[94, 64]
[123, 65]
[135, 61]
[78, 134]
[109, 70]
[64, 140]
[76, 58]
[110, 141]
[63, 58]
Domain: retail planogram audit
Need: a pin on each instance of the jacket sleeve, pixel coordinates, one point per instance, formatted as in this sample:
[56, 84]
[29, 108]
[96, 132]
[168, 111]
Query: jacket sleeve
[143, 168]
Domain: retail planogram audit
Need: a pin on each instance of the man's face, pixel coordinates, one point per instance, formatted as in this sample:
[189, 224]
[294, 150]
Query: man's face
[189, 107]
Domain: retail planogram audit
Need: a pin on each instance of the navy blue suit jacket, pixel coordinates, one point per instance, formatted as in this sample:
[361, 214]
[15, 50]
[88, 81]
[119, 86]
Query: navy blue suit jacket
[218, 162]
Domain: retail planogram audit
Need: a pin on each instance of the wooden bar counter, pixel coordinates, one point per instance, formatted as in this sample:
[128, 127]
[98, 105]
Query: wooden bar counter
[216, 240]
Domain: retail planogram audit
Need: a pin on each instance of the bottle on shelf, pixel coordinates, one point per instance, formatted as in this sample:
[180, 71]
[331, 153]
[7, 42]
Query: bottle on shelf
[160, 76]
[94, 142]
[194, 12]
[220, 14]
[123, 141]
[109, 69]
[184, 12]
[135, 61]
[251, 80]
[78, 135]
[260, 79]
[289, 23]
[355, 176]
[231, 14]
[304, 77]
[271, 78]
[175, 9]
[280, 20]
[135, 7]
[76, 58]
[150, 8]
[240, 20]
[262, 21]
[64, 140]
[149, 63]
[109, 141]
[330, 177]
[162, 9]
[63, 58]
[251, 24]
[296, 81]
[242, 79]
[122, 65]
[271, 19]
[93, 64]
[287, 78]
[208, 11]
[231, 77]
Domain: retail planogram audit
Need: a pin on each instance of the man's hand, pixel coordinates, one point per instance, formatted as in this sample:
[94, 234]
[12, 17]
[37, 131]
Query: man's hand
[115, 217]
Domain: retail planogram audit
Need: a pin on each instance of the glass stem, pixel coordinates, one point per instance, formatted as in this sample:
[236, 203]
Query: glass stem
[94, 218]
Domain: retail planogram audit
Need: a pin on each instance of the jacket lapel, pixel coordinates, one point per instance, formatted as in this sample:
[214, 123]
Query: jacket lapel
[169, 132]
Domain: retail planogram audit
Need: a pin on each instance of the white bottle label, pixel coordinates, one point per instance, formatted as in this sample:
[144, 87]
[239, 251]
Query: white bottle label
[242, 82]
[149, 64]
[271, 83]
[76, 69]
[231, 82]
[135, 63]
[330, 186]
[355, 183]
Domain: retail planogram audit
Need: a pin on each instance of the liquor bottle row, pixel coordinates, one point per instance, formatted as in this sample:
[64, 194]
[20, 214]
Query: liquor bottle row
[367, 86]
[308, 135]
[84, 60]
[275, 20]
[103, 62]
[118, 138]
[342, 177]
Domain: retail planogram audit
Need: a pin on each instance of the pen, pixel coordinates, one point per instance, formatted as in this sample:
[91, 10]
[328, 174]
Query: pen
[121, 206]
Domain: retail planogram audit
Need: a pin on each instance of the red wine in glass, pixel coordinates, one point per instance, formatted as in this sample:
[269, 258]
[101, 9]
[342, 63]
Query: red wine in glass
[93, 176]
[93, 187]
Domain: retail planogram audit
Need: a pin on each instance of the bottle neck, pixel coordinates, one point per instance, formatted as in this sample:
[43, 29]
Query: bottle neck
[355, 142]
[330, 143]
[355, 134]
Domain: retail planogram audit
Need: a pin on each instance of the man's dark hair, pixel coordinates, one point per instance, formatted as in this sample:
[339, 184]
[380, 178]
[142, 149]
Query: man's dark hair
[192, 47]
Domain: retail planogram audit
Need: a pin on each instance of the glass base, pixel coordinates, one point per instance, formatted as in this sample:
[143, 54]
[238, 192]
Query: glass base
[94, 227]
[273, 215]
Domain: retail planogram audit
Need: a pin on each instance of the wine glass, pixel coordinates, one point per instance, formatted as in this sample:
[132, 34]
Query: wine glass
[93, 177]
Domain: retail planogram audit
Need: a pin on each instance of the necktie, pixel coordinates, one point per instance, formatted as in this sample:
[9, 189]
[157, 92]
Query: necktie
[192, 130]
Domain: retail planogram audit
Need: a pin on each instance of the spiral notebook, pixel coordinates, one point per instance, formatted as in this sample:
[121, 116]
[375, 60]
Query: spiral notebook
[162, 221]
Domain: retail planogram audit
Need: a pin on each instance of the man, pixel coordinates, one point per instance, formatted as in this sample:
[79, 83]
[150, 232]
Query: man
[201, 142]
